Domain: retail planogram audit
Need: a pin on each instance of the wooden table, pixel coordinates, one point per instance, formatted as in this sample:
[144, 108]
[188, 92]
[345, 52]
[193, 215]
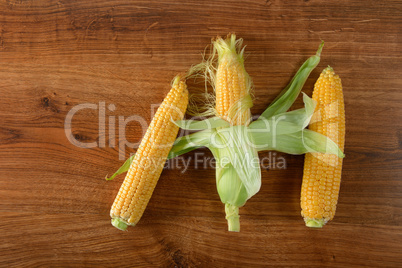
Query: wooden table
[54, 201]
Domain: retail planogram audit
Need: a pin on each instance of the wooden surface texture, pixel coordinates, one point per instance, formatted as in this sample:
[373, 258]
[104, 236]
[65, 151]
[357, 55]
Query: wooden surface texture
[54, 201]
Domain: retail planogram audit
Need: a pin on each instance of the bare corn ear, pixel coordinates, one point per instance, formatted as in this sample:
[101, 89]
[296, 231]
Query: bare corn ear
[232, 82]
[144, 172]
[322, 172]
[224, 71]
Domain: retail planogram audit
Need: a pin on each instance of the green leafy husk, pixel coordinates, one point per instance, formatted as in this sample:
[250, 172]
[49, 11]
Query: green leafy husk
[301, 142]
[213, 122]
[238, 174]
[120, 224]
[241, 152]
[289, 122]
[314, 223]
[124, 168]
[190, 142]
[289, 94]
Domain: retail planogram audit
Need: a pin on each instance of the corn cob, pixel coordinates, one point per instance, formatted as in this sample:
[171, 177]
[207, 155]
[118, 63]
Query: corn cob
[144, 172]
[232, 82]
[322, 172]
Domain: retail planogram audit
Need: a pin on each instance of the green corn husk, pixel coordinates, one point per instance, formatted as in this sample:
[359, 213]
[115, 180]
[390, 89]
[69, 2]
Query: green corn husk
[214, 122]
[289, 94]
[238, 172]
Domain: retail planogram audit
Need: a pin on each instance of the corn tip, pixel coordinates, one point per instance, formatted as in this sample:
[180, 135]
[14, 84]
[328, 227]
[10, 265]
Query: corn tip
[119, 224]
[176, 80]
[314, 223]
[320, 48]
[330, 69]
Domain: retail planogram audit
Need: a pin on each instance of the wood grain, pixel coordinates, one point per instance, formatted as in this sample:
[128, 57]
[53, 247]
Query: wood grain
[54, 202]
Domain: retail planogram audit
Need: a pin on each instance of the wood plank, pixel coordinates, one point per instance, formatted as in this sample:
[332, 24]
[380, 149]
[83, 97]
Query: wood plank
[54, 201]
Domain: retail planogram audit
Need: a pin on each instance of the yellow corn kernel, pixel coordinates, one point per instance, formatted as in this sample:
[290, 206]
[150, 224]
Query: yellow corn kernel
[232, 83]
[318, 206]
[145, 170]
